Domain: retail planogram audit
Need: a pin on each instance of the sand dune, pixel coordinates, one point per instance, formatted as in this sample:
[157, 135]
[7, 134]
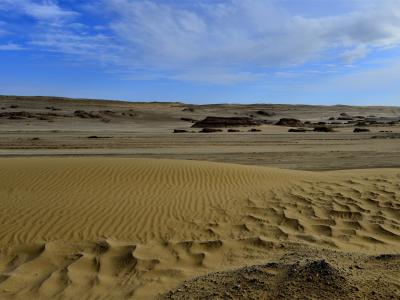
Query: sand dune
[119, 227]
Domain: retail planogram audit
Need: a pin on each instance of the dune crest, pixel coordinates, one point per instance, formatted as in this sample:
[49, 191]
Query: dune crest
[116, 227]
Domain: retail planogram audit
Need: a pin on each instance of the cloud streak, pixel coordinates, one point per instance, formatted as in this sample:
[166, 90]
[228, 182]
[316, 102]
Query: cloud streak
[233, 40]
[40, 10]
[238, 33]
[10, 47]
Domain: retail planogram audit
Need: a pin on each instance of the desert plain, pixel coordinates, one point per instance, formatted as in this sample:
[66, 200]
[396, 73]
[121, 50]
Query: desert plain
[128, 200]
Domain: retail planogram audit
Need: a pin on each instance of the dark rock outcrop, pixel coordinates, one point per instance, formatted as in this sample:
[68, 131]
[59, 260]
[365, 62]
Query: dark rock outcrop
[297, 130]
[85, 115]
[290, 122]
[180, 131]
[323, 129]
[210, 130]
[189, 120]
[356, 130]
[265, 113]
[221, 122]
[17, 115]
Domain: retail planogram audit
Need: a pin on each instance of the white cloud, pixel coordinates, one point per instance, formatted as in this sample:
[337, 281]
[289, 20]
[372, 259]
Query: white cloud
[11, 47]
[40, 10]
[385, 76]
[217, 76]
[240, 33]
[351, 55]
[210, 40]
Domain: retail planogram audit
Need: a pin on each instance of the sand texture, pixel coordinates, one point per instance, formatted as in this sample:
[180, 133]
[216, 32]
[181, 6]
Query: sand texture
[112, 228]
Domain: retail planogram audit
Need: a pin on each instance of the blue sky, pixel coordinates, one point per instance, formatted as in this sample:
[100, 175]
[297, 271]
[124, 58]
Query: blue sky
[205, 51]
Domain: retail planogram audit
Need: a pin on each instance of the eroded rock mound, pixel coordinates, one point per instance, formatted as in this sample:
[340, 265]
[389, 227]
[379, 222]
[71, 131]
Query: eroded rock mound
[85, 115]
[298, 130]
[180, 131]
[210, 130]
[221, 122]
[323, 129]
[315, 279]
[290, 122]
[265, 113]
[357, 130]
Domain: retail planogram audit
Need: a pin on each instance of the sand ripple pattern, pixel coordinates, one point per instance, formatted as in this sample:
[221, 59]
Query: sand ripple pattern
[115, 227]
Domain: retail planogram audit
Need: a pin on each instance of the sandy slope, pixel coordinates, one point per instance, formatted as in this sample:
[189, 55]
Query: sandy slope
[115, 227]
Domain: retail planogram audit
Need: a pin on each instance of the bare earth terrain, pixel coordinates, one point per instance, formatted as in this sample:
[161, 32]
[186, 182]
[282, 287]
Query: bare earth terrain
[54, 126]
[111, 200]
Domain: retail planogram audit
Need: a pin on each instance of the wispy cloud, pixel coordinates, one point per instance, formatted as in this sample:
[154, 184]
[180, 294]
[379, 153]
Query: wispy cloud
[40, 10]
[209, 41]
[384, 76]
[3, 30]
[237, 33]
[11, 47]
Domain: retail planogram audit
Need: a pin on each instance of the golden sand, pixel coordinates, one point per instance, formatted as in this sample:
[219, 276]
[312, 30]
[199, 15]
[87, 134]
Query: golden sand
[119, 227]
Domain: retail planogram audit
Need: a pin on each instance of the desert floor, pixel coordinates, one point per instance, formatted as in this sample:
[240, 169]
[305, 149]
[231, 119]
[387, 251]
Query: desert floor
[101, 200]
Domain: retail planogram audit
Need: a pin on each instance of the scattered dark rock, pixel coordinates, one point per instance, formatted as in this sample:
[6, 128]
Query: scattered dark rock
[361, 130]
[180, 130]
[14, 106]
[267, 122]
[53, 108]
[189, 109]
[98, 137]
[218, 122]
[233, 130]
[265, 113]
[17, 115]
[298, 130]
[107, 112]
[387, 256]
[332, 118]
[254, 130]
[35, 139]
[85, 115]
[361, 123]
[290, 122]
[323, 129]
[210, 130]
[345, 118]
[189, 120]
